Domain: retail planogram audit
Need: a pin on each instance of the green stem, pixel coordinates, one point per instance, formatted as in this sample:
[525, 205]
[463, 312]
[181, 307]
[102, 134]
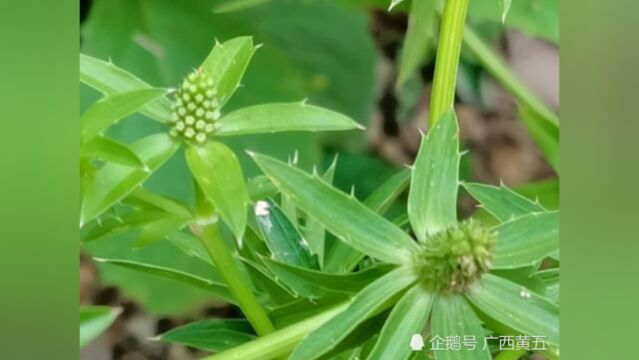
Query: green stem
[226, 266]
[279, 343]
[506, 78]
[447, 60]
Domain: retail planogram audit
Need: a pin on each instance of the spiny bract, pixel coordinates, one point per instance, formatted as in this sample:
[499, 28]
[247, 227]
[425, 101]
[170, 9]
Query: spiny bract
[196, 108]
[452, 259]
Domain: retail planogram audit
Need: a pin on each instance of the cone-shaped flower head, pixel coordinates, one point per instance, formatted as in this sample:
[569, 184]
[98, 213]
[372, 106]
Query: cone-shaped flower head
[196, 108]
[453, 259]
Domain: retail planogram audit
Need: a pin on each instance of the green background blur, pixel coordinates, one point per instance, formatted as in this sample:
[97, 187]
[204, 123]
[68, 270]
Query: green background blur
[39, 192]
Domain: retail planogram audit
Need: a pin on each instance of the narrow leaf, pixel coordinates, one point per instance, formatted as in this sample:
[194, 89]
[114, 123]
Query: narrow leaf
[260, 187]
[216, 288]
[236, 5]
[504, 5]
[160, 202]
[218, 173]
[363, 306]
[268, 283]
[94, 320]
[516, 307]
[452, 316]
[382, 198]
[419, 38]
[432, 200]
[282, 238]
[227, 63]
[407, 318]
[394, 3]
[316, 284]
[110, 80]
[501, 202]
[545, 134]
[212, 335]
[111, 109]
[160, 229]
[341, 214]
[110, 150]
[526, 240]
[314, 230]
[270, 118]
[113, 182]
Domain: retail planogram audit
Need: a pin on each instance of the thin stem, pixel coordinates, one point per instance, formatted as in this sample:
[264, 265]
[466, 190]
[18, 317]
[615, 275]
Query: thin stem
[279, 343]
[223, 260]
[506, 78]
[447, 60]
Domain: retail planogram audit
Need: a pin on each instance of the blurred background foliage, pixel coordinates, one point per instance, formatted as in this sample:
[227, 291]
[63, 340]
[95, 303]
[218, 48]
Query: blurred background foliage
[335, 53]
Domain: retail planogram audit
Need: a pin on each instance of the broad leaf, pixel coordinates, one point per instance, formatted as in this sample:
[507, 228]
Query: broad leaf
[113, 182]
[94, 320]
[111, 109]
[316, 284]
[526, 240]
[214, 287]
[501, 202]
[219, 175]
[281, 237]
[341, 214]
[408, 317]
[363, 306]
[452, 316]
[212, 335]
[271, 118]
[516, 307]
[110, 80]
[419, 38]
[107, 149]
[543, 132]
[227, 63]
[432, 200]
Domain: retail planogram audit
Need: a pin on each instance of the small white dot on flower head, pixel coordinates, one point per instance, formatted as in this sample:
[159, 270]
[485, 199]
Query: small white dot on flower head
[173, 131]
[210, 93]
[200, 137]
[180, 125]
[214, 102]
[209, 115]
[191, 106]
[179, 102]
[182, 111]
[174, 117]
[189, 133]
[209, 128]
[193, 88]
[186, 84]
[206, 104]
[209, 82]
[186, 97]
[189, 120]
[199, 112]
[200, 124]
[193, 76]
[216, 114]
[199, 98]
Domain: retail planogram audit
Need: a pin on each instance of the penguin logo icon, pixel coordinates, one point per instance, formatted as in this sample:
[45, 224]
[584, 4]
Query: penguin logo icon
[416, 342]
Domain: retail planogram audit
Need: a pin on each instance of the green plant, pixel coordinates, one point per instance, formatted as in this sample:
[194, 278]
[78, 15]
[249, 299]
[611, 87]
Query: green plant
[317, 273]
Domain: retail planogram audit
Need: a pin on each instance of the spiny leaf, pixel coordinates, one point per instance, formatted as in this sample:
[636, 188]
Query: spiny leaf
[227, 63]
[271, 118]
[516, 307]
[408, 317]
[110, 80]
[219, 175]
[363, 306]
[526, 240]
[432, 200]
[501, 202]
[111, 109]
[282, 238]
[452, 316]
[107, 149]
[212, 335]
[215, 288]
[113, 182]
[341, 214]
[316, 284]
